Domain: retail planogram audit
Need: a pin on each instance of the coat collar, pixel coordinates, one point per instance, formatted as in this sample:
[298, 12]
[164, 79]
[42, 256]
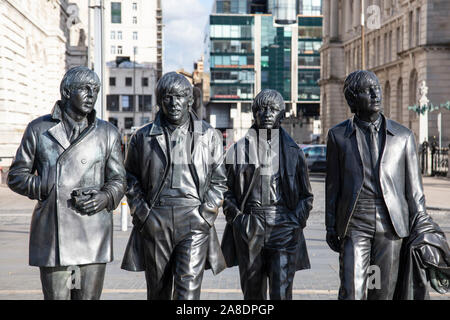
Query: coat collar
[58, 132]
[288, 148]
[157, 127]
[57, 113]
[287, 140]
[351, 126]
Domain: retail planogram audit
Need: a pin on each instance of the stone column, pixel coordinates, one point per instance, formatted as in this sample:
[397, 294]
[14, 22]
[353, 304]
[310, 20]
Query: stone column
[326, 18]
[334, 20]
[348, 16]
[356, 13]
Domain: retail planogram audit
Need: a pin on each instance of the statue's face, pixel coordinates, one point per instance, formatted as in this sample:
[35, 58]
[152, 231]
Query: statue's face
[82, 99]
[175, 106]
[268, 116]
[368, 98]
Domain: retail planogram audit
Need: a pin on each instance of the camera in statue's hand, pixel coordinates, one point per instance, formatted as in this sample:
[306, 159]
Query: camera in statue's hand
[80, 196]
[89, 200]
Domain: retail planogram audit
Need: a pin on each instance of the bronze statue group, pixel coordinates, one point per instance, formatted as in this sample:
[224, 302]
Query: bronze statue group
[176, 176]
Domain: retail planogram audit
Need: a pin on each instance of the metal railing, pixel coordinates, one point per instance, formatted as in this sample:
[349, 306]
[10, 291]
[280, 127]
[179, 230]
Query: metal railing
[433, 160]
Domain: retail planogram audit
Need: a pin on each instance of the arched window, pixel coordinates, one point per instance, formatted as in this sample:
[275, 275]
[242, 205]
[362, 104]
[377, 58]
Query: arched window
[413, 96]
[323, 114]
[387, 99]
[400, 100]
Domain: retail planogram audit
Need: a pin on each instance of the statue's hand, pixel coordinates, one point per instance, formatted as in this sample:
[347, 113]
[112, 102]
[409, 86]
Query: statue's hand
[333, 241]
[96, 203]
[231, 216]
[438, 280]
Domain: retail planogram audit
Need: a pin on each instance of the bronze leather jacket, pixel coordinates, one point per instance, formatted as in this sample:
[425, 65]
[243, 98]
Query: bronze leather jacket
[400, 178]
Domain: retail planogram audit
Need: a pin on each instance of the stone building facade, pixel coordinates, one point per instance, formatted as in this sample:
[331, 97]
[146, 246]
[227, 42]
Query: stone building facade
[35, 52]
[411, 44]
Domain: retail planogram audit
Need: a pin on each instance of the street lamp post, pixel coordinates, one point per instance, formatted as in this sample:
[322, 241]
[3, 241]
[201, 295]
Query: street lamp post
[99, 52]
[363, 49]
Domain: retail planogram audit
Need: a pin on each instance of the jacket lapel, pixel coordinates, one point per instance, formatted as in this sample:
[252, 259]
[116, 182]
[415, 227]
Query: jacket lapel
[389, 133]
[157, 132]
[288, 155]
[354, 139]
[59, 134]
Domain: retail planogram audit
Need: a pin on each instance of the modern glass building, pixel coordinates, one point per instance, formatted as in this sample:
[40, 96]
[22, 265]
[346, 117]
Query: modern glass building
[248, 51]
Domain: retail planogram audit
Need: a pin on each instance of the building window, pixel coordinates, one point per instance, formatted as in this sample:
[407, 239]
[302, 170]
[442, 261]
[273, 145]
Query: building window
[113, 49]
[390, 46]
[119, 35]
[113, 35]
[129, 122]
[145, 120]
[112, 81]
[119, 49]
[145, 102]
[112, 102]
[310, 7]
[116, 12]
[385, 47]
[410, 25]
[417, 26]
[134, 6]
[135, 35]
[145, 82]
[128, 81]
[309, 61]
[399, 40]
[127, 103]
[134, 20]
[113, 121]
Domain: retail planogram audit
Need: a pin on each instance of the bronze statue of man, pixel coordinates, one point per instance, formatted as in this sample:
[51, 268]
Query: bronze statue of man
[374, 194]
[71, 162]
[267, 204]
[176, 181]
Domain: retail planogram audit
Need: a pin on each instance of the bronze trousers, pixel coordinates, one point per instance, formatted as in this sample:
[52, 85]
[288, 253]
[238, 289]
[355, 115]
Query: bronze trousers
[83, 282]
[266, 245]
[175, 252]
[369, 251]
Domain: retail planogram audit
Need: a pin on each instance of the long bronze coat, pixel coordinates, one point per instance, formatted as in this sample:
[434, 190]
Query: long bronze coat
[146, 164]
[47, 168]
[242, 169]
[400, 178]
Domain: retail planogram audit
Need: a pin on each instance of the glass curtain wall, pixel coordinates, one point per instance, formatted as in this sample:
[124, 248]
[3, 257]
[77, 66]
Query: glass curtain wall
[309, 43]
[275, 57]
[231, 6]
[232, 57]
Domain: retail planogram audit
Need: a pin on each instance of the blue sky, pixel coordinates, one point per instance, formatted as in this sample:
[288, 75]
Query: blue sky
[184, 31]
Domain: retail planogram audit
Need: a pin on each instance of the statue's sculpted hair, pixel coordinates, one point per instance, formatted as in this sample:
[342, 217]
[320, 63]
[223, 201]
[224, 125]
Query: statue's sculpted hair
[76, 77]
[172, 81]
[267, 96]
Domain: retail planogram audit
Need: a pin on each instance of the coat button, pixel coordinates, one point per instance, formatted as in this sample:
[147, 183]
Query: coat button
[83, 161]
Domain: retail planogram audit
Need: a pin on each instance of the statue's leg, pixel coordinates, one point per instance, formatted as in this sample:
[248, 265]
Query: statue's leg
[91, 282]
[354, 258]
[280, 253]
[190, 253]
[248, 230]
[386, 255]
[158, 251]
[56, 282]
[354, 261]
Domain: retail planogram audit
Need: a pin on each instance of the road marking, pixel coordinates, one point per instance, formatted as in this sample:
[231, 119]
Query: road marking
[212, 290]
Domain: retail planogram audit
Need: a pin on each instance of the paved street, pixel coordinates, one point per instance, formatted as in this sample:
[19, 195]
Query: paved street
[20, 281]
